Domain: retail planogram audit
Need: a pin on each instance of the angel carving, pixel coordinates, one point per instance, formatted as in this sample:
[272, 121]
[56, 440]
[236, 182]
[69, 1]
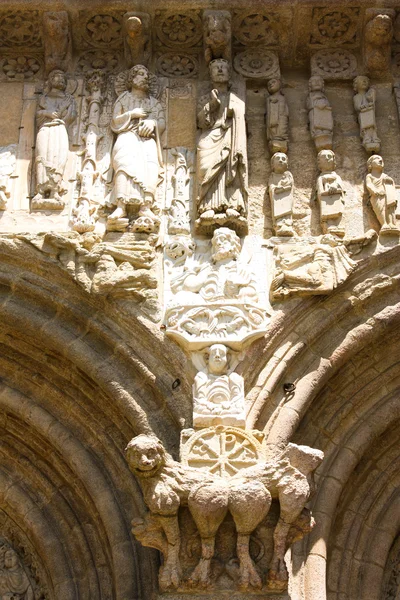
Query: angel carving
[139, 121]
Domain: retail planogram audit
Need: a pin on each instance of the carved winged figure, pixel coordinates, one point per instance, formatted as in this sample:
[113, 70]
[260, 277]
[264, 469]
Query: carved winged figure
[167, 485]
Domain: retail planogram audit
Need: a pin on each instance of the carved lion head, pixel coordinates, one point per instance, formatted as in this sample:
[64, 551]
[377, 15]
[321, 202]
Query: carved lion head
[145, 455]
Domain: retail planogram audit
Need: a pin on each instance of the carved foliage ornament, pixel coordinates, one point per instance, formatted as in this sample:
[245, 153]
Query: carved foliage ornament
[21, 28]
[334, 64]
[257, 63]
[179, 29]
[255, 28]
[177, 65]
[98, 59]
[103, 30]
[20, 67]
[334, 26]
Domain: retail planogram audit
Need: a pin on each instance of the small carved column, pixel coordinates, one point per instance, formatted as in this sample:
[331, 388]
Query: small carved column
[83, 214]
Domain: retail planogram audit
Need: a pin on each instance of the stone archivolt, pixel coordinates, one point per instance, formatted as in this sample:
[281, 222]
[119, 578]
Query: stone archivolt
[133, 226]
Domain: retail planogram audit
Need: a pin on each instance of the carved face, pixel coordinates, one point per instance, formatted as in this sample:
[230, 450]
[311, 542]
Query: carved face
[375, 162]
[326, 160]
[217, 359]
[145, 455]
[58, 80]
[279, 162]
[139, 77]
[10, 559]
[316, 84]
[274, 85]
[133, 27]
[361, 84]
[219, 71]
[225, 244]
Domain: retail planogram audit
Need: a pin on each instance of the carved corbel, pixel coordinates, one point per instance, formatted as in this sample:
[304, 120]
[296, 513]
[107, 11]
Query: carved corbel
[217, 35]
[137, 38]
[57, 40]
[378, 35]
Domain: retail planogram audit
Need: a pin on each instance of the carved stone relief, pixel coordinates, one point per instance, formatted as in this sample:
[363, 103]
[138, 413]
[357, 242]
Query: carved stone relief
[178, 29]
[57, 40]
[139, 122]
[378, 35]
[56, 110]
[277, 117]
[382, 196]
[221, 155]
[21, 28]
[256, 28]
[178, 221]
[21, 67]
[255, 63]
[173, 64]
[319, 114]
[335, 27]
[103, 30]
[217, 35]
[280, 187]
[310, 267]
[7, 167]
[364, 105]
[16, 582]
[218, 394]
[330, 194]
[334, 65]
[246, 495]
[98, 59]
[137, 41]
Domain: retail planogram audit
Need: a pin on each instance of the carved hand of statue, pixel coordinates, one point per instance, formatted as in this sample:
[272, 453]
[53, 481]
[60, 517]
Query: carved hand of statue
[55, 115]
[215, 101]
[138, 113]
[146, 128]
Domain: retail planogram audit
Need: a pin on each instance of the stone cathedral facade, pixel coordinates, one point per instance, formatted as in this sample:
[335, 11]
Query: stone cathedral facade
[199, 300]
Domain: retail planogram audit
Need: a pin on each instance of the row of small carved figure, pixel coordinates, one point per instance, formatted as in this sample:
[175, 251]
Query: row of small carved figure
[330, 193]
[320, 115]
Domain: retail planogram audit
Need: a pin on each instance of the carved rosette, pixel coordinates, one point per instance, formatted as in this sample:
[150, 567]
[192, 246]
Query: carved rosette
[98, 59]
[21, 67]
[103, 30]
[173, 64]
[21, 29]
[257, 64]
[335, 27]
[334, 64]
[256, 28]
[178, 29]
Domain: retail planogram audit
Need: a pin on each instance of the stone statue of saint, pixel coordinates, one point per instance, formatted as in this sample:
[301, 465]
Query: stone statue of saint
[56, 110]
[280, 187]
[319, 114]
[330, 192]
[364, 105]
[382, 195]
[277, 117]
[218, 397]
[138, 120]
[222, 155]
[223, 279]
[14, 582]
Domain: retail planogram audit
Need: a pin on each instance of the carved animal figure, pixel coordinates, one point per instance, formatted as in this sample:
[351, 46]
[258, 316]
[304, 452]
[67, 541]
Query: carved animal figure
[217, 37]
[167, 485]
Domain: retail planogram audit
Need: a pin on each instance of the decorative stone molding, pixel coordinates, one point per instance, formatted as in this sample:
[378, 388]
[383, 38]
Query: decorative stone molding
[91, 60]
[21, 67]
[102, 30]
[174, 64]
[178, 29]
[20, 29]
[256, 28]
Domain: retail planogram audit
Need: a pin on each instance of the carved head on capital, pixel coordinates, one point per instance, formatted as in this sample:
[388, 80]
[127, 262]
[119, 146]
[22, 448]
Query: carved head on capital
[138, 78]
[375, 163]
[225, 244]
[145, 455]
[57, 80]
[219, 70]
[316, 84]
[216, 358]
[279, 162]
[361, 84]
[326, 160]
